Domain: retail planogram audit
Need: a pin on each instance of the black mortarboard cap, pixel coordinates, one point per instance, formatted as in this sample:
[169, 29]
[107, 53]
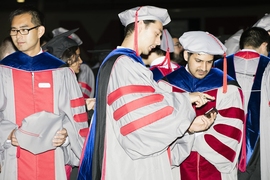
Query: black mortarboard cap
[58, 44]
[73, 36]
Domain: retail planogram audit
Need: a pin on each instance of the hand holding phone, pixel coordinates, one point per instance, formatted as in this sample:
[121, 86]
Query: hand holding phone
[212, 110]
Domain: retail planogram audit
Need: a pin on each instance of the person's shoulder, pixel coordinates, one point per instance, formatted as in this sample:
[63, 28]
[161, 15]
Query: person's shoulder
[233, 89]
[267, 58]
[17, 54]
[267, 70]
[64, 70]
[65, 75]
[84, 66]
[49, 60]
[14, 58]
[123, 60]
[215, 73]
[48, 56]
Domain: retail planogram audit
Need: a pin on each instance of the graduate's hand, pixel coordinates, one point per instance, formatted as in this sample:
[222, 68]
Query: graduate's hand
[202, 123]
[13, 138]
[90, 103]
[200, 99]
[60, 137]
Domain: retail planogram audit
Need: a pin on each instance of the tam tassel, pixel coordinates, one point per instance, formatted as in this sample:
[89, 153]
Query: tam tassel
[136, 33]
[225, 74]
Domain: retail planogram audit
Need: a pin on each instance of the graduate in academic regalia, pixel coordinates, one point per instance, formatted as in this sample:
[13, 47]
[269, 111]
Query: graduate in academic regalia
[43, 121]
[232, 43]
[135, 118]
[84, 73]
[214, 153]
[247, 66]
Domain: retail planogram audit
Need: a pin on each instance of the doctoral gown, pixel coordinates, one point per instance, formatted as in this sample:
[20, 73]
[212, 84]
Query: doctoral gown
[30, 86]
[141, 119]
[247, 67]
[215, 152]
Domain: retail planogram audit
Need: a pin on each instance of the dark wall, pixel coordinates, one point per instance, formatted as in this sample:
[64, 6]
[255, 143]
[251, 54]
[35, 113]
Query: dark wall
[101, 28]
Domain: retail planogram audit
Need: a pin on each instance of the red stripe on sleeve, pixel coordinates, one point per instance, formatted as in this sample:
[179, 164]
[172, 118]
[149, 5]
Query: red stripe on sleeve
[136, 104]
[233, 112]
[128, 90]
[177, 89]
[229, 131]
[144, 121]
[77, 102]
[81, 117]
[84, 132]
[169, 154]
[85, 96]
[220, 148]
[85, 86]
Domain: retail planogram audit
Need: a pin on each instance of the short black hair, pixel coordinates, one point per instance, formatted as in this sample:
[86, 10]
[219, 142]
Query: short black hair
[37, 16]
[254, 36]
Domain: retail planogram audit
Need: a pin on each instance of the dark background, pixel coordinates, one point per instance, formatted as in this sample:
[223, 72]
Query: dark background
[85, 5]
[100, 27]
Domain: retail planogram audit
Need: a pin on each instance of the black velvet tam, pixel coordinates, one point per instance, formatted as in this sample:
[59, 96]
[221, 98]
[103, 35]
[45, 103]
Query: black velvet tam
[58, 44]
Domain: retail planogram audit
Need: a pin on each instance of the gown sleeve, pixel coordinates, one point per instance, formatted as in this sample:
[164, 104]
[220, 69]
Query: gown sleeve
[146, 118]
[72, 103]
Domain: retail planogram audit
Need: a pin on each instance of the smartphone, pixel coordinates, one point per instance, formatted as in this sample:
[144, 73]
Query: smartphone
[212, 110]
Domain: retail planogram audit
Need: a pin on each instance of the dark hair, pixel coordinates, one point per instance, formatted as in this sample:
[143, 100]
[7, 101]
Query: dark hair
[130, 28]
[254, 36]
[45, 38]
[68, 53]
[158, 51]
[37, 16]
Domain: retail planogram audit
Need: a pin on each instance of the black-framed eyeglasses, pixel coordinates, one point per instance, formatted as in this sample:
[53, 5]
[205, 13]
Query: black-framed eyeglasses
[24, 31]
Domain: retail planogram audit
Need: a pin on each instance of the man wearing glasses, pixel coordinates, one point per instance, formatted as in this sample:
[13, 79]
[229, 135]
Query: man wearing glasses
[178, 48]
[42, 109]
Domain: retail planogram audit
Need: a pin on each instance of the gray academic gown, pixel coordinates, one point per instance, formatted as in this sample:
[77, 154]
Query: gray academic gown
[39, 95]
[142, 119]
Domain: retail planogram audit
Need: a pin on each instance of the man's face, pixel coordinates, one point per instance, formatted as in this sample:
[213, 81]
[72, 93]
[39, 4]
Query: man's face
[199, 65]
[29, 44]
[149, 36]
[177, 47]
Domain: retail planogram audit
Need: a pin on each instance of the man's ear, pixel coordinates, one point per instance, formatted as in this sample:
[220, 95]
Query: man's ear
[263, 48]
[41, 31]
[264, 44]
[186, 55]
[141, 25]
